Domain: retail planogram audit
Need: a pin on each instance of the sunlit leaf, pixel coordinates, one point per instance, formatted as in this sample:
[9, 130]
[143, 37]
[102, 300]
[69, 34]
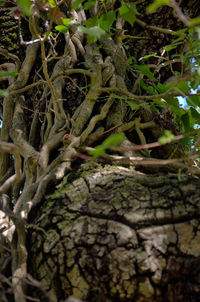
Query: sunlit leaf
[67, 22]
[155, 5]
[52, 3]
[170, 47]
[63, 29]
[168, 137]
[148, 56]
[8, 73]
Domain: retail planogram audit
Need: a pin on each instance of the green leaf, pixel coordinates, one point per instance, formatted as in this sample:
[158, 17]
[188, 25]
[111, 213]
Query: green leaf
[183, 86]
[168, 137]
[149, 89]
[4, 92]
[128, 12]
[113, 140]
[133, 105]
[8, 73]
[52, 3]
[160, 103]
[67, 22]
[193, 101]
[155, 5]
[144, 69]
[63, 29]
[26, 6]
[98, 151]
[170, 47]
[88, 4]
[195, 114]
[106, 20]
[148, 56]
[90, 22]
[76, 4]
[194, 22]
[93, 33]
[116, 96]
[186, 122]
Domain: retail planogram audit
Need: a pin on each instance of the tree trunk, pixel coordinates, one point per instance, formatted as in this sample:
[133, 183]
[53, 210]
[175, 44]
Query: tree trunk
[74, 227]
[114, 234]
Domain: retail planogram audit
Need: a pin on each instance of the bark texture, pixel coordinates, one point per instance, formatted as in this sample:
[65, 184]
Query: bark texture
[114, 234]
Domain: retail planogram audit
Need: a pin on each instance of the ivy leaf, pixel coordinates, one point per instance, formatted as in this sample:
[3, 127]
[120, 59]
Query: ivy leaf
[26, 6]
[63, 29]
[76, 4]
[90, 22]
[106, 20]
[67, 22]
[128, 12]
[52, 3]
[88, 4]
[113, 140]
[156, 4]
[93, 33]
[168, 137]
[144, 69]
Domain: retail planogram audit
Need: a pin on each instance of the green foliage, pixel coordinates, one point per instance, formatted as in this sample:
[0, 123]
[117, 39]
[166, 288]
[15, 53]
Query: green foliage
[25, 5]
[8, 73]
[155, 5]
[112, 141]
[168, 137]
[66, 24]
[52, 3]
[106, 20]
[144, 69]
[128, 12]
[93, 33]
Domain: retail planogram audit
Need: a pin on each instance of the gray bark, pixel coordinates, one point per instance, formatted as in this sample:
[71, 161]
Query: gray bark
[114, 234]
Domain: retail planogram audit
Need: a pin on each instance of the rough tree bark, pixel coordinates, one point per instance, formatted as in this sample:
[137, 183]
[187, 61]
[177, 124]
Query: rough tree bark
[97, 231]
[114, 234]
